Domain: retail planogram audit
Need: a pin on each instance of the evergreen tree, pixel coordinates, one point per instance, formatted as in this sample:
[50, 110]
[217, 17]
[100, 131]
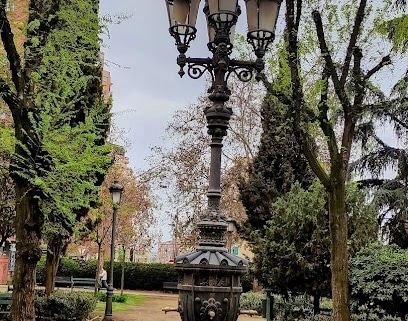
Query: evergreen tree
[293, 251]
[59, 124]
[278, 164]
[79, 121]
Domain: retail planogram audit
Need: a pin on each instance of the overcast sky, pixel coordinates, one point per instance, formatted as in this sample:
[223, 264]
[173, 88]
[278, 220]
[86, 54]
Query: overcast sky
[146, 89]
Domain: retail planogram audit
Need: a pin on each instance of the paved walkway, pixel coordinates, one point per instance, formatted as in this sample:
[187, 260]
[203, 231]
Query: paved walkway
[150, 309]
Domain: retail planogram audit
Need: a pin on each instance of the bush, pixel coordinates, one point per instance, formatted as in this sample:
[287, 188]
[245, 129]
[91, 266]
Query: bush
[115, 298]
[378, 278]
[295, 307]
[64, 306]
[247, 281]
[251, 301]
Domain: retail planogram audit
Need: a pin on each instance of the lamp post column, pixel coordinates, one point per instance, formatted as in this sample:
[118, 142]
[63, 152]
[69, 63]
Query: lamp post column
[116, 191]
[209, 278]
[109, 290]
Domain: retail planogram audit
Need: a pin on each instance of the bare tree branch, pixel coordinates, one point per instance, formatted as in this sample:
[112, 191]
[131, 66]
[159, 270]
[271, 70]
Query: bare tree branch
[353, 40]
[325, 125]
[338, 87]
[350, 118]
[292, 27]
[384, 62]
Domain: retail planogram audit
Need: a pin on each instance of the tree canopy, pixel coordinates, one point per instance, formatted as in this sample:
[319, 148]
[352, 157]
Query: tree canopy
[327, 71]
[53, 91]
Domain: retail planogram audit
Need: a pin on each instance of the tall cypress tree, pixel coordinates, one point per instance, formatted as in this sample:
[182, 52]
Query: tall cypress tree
[278, 164]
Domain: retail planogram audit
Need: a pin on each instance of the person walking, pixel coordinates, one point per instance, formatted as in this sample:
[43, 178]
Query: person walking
[103, 276]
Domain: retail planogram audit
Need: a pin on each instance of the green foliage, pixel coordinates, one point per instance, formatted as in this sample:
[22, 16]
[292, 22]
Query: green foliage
[73, 114]
[146, 276]
[378, 278]
[277, 165]
[63, 305]
[131, 302]
[297, 307]
[397, 31]
[7, 192]
[7, 140]
[139, 276]
[115, 298]
[294, 253]
[247, 280]
[251, 301]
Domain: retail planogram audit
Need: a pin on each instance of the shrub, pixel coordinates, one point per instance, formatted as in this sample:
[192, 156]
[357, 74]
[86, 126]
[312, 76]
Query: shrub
[247, 281]
[294, 307]
[251, 301]
[378, 278]
[64, 306]
[115, 298]
[119, 298]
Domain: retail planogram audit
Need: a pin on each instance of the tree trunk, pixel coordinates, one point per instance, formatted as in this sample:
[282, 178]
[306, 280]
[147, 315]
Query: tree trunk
[29, 221]
[122, 279]
[51, 267]
[339, 252]
[316, 304]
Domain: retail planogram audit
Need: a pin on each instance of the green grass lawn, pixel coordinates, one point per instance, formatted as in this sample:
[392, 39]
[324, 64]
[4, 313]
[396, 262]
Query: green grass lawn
[131, 301]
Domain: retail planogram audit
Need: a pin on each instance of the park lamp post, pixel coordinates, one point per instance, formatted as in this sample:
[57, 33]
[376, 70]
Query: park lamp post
[116, 192]
[209, 278]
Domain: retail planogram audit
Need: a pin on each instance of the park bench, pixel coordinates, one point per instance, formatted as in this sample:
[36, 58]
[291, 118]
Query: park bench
[5, 304]
[64, 281]
[169, 286]
[83, 282]
[70, 281]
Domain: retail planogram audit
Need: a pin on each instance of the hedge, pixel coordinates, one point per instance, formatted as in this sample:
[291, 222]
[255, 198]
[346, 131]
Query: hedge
[138, 276]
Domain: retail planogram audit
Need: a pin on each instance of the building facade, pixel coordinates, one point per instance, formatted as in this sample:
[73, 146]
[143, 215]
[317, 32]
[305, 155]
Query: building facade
[167, 251]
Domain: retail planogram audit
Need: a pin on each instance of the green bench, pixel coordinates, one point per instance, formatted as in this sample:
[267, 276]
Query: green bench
[5, 304]
[63, 281]
[82, 282]
[70, 281]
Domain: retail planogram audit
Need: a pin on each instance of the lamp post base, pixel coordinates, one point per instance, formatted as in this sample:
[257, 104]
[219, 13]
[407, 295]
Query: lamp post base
[108, 308]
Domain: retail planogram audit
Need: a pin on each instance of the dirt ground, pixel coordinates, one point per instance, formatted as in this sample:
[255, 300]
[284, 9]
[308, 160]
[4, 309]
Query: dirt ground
[151, 310]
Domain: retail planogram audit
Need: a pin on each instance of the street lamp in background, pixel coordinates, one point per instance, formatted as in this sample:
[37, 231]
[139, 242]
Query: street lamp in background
[210, 285]
[116, 192]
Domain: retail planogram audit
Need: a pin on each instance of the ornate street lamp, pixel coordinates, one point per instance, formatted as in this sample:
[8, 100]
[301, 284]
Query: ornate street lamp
[116, 192]
[209, 284]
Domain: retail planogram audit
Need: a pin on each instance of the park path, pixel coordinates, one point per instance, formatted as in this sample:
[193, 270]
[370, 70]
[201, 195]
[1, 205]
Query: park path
[151, 309]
